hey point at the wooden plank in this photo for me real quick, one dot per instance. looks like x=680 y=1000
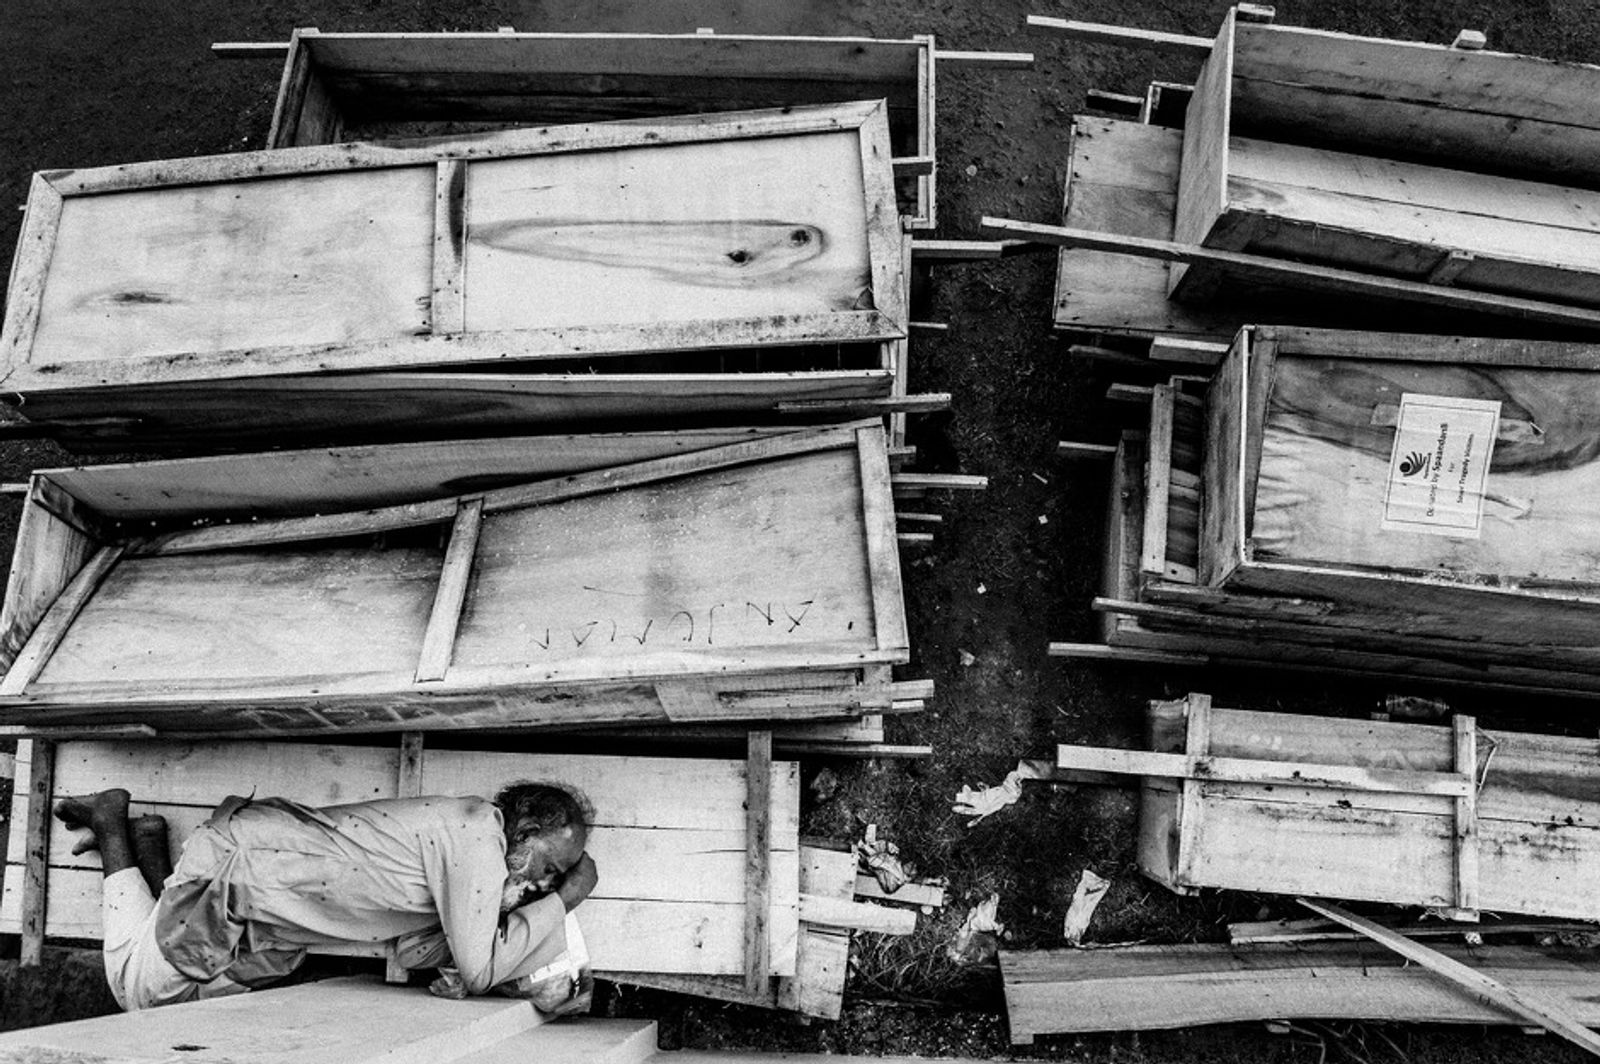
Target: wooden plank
x=53 y=626
x=1125 y=36
x=1222 y=499
x=1259 y=773
x=408 y=780
x=1160 y=987
x=36 y=873
x=47 y=554
x=448 y=313
x=1192 y=814
x=1549 y=1014
x=1260 y=268
x=856 y=916
x=443 y=620
x=1157 y=482
x=1465 y=735
x=939 y=481
x=30 y=268
x=757 y=858
x=883 y=556
x=1203 y=177
x=540 y=493
x=1486 y=111
x=913 y=893
x=1100 y=652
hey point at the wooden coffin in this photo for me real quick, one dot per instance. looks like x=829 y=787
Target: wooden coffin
x=1153 y=606
x=1442 y=482
x=1428 y=163
x=1407 y=814
x=709 y=263
x=364 y=86
x=669 y=836
x=755 y=577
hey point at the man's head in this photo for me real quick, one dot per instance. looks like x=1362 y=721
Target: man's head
x=547 y=829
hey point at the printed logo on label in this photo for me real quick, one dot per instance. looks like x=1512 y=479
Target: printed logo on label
x=1439 y=467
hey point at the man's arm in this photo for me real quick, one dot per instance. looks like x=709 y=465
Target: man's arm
x=466 y=871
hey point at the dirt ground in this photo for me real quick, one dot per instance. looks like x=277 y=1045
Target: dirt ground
x=113 y=81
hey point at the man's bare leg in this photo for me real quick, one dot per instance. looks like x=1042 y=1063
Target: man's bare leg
x=150 y=850
x=105 y=815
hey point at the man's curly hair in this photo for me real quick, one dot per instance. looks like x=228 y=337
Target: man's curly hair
x=541 y=808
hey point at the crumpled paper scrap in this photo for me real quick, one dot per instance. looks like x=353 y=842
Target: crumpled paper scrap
x=988 y=801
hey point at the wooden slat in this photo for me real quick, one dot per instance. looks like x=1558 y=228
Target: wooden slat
x=1126 y=36
x=439 y=640
x=448 y=307
x=1260 y=773
x=52 y=628
x=1157 y=482
x=1203 y=177
x=883 y=556
x=1530 y=1006
x=857 y=916
x=757 y=859
x=1266 y=270
x=36 y=854
x=1464 y=733
x=1191 y=801
x=30 y=268
x=290 y=530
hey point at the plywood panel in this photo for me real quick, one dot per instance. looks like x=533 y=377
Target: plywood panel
x=762 y=556
x=1326 y=452
x=680 y=233
x=320 y=259
x=268 y=615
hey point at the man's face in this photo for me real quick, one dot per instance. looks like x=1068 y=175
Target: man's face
x=536 y=862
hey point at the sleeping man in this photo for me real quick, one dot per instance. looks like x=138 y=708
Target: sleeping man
x=482 y=887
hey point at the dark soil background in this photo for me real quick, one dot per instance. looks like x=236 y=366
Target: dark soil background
x=95 y=83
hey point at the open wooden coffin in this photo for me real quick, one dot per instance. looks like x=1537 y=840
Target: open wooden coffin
x=363 y=86
x=1443 y=483
x=672 y=577
x=1453 y=817
x=1428 y=163
x=669 y=836
x=720 y=263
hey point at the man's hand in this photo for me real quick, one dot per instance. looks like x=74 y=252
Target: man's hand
x=578 y=883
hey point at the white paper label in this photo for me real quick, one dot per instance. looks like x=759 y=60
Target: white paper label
x=1440 y=463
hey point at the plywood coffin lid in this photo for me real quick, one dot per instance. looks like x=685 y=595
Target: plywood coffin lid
x=751 y=580
x=705 y=232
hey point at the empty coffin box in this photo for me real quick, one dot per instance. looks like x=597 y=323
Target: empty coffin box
x=1408 y=160
x=704 y=263
x=668 y=837
x=1529 y=845
x=662 y=578
x=1421 y=486
x=364 y=86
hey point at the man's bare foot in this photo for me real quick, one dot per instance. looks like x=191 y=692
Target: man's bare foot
x=97 y=814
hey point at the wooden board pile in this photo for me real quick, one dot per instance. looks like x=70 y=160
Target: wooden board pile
x=1454 y=819
x=1292 y=519
x=1319 y=176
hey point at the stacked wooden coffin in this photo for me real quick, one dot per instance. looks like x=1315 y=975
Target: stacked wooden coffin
x=1455 y=819
x=1378 y=503
x=674 y=273
x=1318 y=176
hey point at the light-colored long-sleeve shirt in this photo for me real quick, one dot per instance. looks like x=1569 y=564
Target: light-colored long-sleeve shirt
x=264 y=880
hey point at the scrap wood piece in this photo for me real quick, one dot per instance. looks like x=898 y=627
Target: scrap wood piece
x=1130 y=988
x=1259 y=932
x=1126 y=36
x=36 y=858
x=1259 y=772
x=757 y=858
x=1530 y=1006
x=927 y=894
x=855 y=916
x=1268 y=270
